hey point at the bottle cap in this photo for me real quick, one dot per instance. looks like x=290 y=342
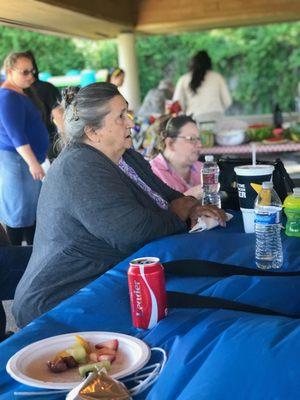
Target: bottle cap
x=209 y=158
x=296 y=192
x=267 y=185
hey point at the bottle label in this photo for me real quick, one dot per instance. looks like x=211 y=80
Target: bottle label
x=267 y=218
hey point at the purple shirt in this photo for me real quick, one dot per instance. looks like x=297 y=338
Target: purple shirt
x=130 y=172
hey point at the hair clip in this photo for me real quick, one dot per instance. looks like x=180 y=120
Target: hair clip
x=68 y=94
x=75 y=113
x=168 y=124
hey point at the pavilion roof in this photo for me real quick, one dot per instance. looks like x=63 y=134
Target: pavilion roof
x=103 y=19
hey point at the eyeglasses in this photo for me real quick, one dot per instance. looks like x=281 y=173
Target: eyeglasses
x=25 y=72
x=191 y=139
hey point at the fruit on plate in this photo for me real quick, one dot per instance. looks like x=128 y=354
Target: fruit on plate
x=274 y=140
x=80 y=340
x=109 y=344
x=78 y=352
x=84 y=354
x=85 y=369
x=61 y=364
x=259 y=132
x=277 y=132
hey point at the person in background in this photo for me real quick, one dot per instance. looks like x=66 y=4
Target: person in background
x=103 y=201
x=23 y=147
x=13 y=262
x=116 y=76
x=50 y=97
x=179 y=149
x=155 y=99
x=202 y=92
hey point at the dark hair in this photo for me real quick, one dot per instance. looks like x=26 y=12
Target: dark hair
x=114 y=72
x=171 y=128
x=83 y=107
x=31 y=56
x=200 y=64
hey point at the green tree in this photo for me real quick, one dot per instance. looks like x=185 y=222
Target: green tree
x=261 y=64
x=55 y=55
x=98 y=55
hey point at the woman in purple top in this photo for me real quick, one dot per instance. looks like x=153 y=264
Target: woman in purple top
x=23 y=146
x=179 y=149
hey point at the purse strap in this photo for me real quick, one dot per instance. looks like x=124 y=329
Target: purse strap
x=210 y=268
x=213 y=269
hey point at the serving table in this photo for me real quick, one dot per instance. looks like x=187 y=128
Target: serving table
x=247 y=148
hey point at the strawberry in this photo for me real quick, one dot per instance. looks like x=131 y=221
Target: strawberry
x=277 y=132
x=109 y=344
x=105 y=350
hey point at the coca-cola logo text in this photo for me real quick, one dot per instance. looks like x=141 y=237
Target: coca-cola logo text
x=138 y=298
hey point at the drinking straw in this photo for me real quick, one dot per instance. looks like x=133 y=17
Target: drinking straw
x=253 y=146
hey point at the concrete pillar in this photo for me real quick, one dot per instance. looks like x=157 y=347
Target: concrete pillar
x=128 y=61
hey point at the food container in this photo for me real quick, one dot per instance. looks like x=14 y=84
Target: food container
x=206 y=130
x=230 y=137
x=207 y=138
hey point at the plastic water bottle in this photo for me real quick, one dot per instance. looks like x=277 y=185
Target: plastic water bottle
x=267 y=207
x=210 y=182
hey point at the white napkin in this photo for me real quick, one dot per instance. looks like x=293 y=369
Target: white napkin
x=206 y=223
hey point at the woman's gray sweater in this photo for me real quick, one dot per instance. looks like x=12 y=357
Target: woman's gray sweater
x=90 y=217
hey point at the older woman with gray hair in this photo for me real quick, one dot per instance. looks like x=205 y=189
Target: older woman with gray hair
x=103 y=202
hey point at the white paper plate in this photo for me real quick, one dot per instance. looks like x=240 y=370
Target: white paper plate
x=29 y=367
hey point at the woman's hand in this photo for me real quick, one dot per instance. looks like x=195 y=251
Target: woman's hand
x=189 y=208
x=195 y=191
x=29 y=157
x=183 y=206
x=207 y=211
x=36 y=171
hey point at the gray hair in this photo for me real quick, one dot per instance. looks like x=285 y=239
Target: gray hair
x=84 y=107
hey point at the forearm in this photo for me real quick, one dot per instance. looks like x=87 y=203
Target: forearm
x=29 y=157
x=145 y=227
x=27 y=154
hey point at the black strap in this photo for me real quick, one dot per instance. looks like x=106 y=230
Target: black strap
x=209 y=268
x=187 y=300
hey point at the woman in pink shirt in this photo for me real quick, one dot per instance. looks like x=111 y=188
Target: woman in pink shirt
x=179 y=149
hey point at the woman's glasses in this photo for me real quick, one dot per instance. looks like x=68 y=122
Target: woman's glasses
x=191 y=139
x=25 y=72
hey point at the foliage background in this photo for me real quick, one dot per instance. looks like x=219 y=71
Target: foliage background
x=261 y=64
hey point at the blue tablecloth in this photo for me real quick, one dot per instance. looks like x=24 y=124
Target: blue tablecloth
x=212 y=354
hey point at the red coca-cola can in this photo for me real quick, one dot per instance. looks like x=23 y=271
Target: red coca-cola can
x=147 y=291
